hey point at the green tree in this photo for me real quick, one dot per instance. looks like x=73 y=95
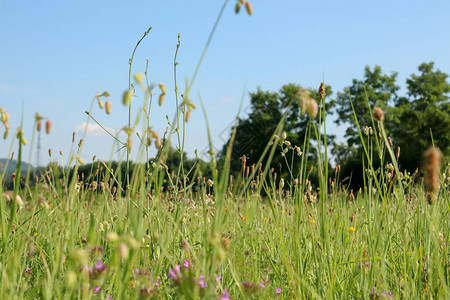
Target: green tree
x=426 y=110
x=379 y=90
x=267 y=109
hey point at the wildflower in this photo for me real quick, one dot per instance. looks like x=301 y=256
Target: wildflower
x=378 y=114
x=158 y=281
x=175 y=274
x=186 y=263
x=99 y=268
x=312 y=221
x=278 y=291
x=202 y=283
x=96 y=290
x=261 y=284
x=351 y=229
x=28 y=271
x=48 y=126
x=218 y=278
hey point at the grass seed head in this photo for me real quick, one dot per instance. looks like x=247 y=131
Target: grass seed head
x=48 y=126
x=248 y=8
x=378 y=114
x=312 y=108
x=322 y=93
x=432 y=159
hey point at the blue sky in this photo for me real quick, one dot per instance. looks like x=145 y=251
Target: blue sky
x=56 y=55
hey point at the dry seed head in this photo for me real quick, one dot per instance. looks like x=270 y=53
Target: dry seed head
x=432 y=159
x=48 y=126
x=322 y=93
x=248 y=7
x=50 y=152
x=108 y=107
x=39 y=126
x=378 y=114
x=73 y=137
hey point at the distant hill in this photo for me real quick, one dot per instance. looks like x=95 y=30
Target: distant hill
x=12 y=166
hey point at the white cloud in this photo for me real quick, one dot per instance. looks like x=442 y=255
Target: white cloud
x=94 y=129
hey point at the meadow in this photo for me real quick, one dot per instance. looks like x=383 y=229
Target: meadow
x=154 y=232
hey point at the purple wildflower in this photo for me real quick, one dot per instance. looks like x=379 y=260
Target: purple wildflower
x=218 y=278
x=158 y=281
x=278 y=291
x=261 y=284
x=109 y=298
x=186 y=263
x=96 y=290
x=225 y=296
x=99 y=267
x=28 y=271
x=175 y=275
x=202 y=283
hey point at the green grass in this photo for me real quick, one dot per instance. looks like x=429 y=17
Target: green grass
x=252 y=236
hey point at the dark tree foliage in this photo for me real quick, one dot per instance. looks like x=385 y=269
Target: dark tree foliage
x=408 y=119
x=425 y=111
x=253 y=133
x=380 y=89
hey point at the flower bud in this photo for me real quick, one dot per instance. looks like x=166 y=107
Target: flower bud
x=5 y=117
x=112 y=236
x=108 y=107
x=161 y=99
x=248 y=7
x=129 y=143
x=237 y=8
x=162 y=87
x=124 y=252
x=39 y=126
x=127 y=97
x=139 y=78
x=101 y=104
